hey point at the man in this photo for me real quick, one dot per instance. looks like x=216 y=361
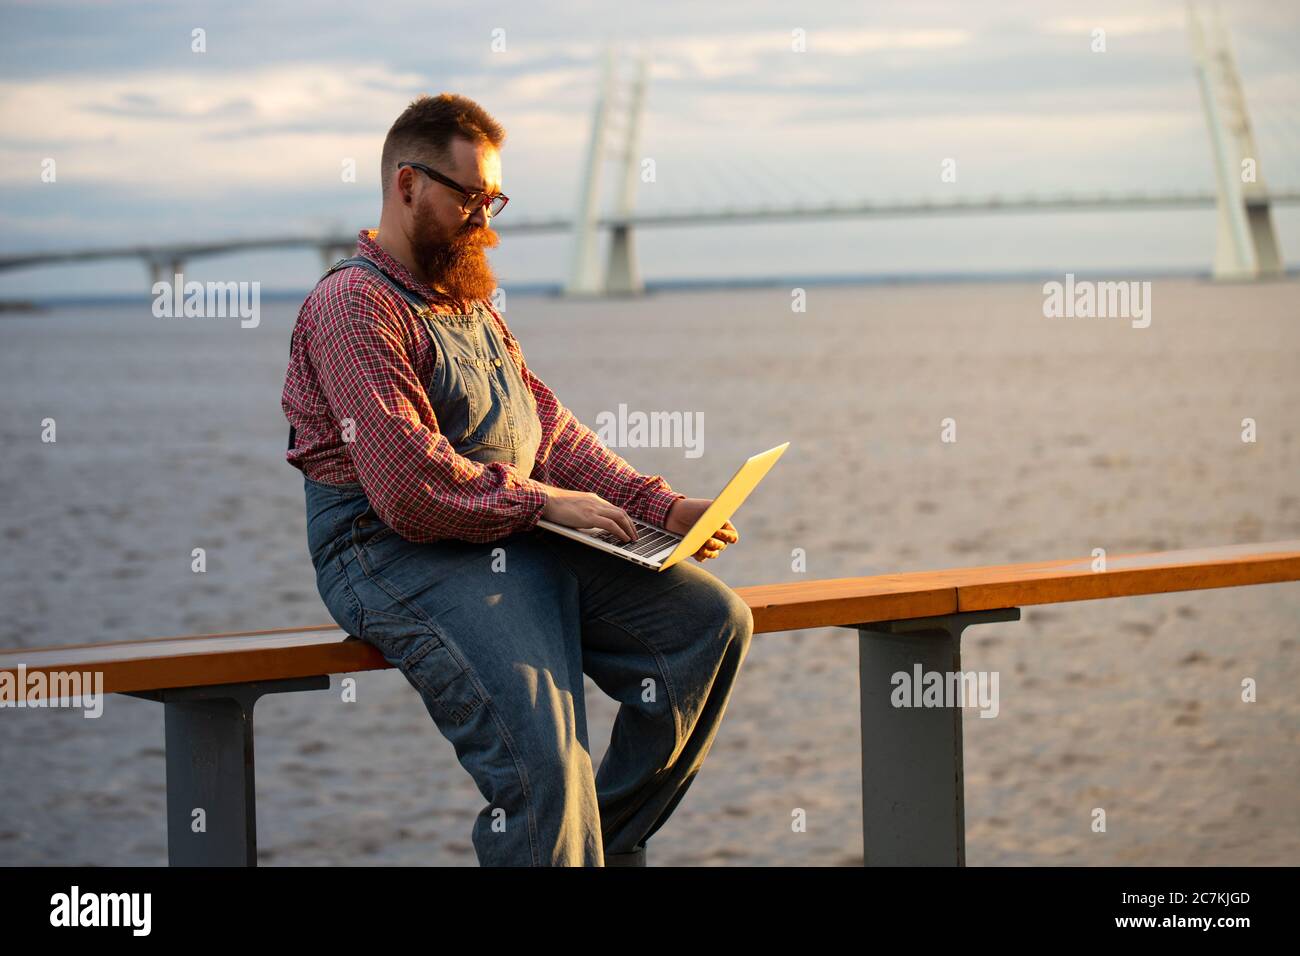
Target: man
x=429 y=451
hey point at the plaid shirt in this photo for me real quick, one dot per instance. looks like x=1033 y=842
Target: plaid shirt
x=360 y=353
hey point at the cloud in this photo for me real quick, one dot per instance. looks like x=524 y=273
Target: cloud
x=177 y=129
x=747 y=54
x=1119 y=25
x=151 y=138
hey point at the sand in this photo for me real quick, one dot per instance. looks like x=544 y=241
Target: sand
x=1071 y=434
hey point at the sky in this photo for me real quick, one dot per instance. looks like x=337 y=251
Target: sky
x=155 y=142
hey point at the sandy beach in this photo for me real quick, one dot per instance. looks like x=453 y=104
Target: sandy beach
x=1071 y=434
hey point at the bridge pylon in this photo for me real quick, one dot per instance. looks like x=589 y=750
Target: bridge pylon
x=1246 y=245
x=621 y=276
x=331 y=253
x=156 y=266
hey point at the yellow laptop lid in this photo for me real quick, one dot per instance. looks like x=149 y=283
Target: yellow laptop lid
x=725 y=504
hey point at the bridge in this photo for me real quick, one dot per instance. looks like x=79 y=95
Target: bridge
x=1246 y=241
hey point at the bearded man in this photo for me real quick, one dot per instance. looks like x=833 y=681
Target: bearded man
x=429 y=451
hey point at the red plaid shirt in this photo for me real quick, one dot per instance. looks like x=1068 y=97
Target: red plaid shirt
x=360 y=353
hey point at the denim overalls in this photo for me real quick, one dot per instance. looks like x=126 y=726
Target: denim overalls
x=481 y=401
x=496 y=636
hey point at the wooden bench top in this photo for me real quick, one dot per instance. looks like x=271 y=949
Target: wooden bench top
x=322 y=649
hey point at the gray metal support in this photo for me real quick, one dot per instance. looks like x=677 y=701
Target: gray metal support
x=913 y=799
x=209 y=735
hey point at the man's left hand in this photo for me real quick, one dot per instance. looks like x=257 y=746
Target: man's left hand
x=682 y=516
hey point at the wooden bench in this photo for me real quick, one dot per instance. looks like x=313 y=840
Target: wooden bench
x=912 y=777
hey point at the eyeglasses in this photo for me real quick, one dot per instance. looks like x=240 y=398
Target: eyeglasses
x=473 y=197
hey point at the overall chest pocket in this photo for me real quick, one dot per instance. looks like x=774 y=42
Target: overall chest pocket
x=463 y=391
x=489 y=420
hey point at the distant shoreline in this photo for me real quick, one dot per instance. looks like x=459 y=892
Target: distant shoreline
x=690 y=284
x=22 y=306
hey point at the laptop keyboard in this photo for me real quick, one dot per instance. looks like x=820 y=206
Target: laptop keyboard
x=649 y=539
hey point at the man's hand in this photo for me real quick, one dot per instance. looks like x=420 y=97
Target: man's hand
x=584 y=509
x=682 y=516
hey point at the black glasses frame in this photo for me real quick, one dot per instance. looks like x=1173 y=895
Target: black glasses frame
x=473 y=198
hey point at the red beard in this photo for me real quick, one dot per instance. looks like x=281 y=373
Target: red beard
x=460 y=266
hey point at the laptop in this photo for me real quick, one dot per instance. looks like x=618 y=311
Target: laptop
x=659 y=549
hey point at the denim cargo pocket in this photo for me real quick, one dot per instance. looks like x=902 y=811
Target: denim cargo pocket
x=416 y=649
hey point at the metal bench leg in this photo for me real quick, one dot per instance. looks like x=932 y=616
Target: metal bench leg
x=913 y=809
x=209 y=733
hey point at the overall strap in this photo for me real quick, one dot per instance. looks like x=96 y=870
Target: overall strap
x=415 y=301
x=376 y=269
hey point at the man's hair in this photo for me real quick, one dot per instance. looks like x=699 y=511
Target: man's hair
x=424 y=131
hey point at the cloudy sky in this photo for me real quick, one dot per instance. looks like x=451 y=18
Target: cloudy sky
x=154 y=142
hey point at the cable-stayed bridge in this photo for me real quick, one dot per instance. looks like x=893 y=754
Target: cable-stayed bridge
x=1246 y=242
x=171 y=254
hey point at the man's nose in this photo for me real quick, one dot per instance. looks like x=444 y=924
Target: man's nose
x=479 y=216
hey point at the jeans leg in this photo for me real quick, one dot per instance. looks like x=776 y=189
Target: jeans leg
x=668 y=646
x=634 y=858
x=489 y=635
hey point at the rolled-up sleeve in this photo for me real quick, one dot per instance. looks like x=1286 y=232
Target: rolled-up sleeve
x=416 y=482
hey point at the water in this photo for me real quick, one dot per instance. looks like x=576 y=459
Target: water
x=1071 y=434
